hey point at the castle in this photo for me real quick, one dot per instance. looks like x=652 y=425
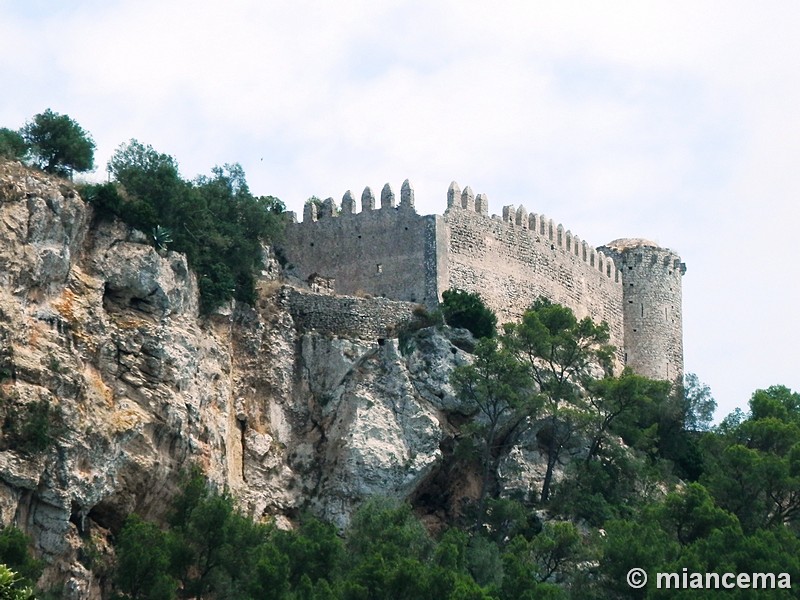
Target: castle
x=392 y=252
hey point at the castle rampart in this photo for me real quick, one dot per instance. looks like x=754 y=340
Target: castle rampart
x=510 y=260
x=366 y=318
x=652 y=310
x=388 y=252
x=513 y=260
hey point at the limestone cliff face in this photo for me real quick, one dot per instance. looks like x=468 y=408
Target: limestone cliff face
x=104 y=330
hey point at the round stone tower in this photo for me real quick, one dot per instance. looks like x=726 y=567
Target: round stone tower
x=652 y=316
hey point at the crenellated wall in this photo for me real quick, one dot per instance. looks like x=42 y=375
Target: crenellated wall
x=513 y=259
x=652 y=308
x=389 y=251
x=510 y=260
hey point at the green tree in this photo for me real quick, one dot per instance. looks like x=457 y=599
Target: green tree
x=614 y=399
x=58 y=144
x=390 y=555
x=143 y=560
x=12 y=144
x=154 y=193
x=507 y=518
x=234 y=225
x=559 y=352
x=387 y=528
x=557 y=550
x=777 y=402
x=612 y=486
x=699 y=404
x=755 y=464
x=521 y=576
x=269 y=577
x=467 y=310
x=635 y=543
x=207 y=556
x=143 y=171
x=313 y=550
x=691 y=514
x=498 y=386
x=215 y=221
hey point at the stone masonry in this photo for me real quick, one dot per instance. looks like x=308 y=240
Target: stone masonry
x=510 y=260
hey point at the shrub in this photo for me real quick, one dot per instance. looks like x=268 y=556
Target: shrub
x=467 y=310
x=16 y=555
x=215 y=221
x=30 y=428
x=12 y=144
x=10 y=586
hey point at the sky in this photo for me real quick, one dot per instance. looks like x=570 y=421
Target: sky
x=673 y=121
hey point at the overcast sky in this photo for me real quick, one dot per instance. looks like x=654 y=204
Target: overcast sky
x=673 y=121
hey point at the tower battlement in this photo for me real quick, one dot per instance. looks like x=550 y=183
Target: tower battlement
x=313 y=213
x=391 y=251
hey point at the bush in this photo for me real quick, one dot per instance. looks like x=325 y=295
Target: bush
x=215 y=221
x=16 y=555
x=30 y=428
x=12 y=145
x=467 y=310
x=58 y=145
x=11 y=586
x=143 y=561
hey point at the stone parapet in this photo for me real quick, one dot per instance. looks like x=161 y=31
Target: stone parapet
x=346 y=316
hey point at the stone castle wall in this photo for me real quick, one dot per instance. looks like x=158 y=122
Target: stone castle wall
x=512 y=261
x=366 y=318
x=652 y=309
x=388 y=251
x=392 y=252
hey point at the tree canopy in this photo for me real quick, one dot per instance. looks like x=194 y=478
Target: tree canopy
x=12 y=144
x=214 y=220
x=617 y=505
x=467 y=310
x=633 y=474
x=559 y=352
x=57 y=144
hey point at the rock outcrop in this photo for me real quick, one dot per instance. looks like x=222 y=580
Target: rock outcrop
x=103 y=330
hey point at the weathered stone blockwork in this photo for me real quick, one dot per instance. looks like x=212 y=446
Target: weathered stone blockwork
x=510 y=266
x=367 y=318
x=393 y=252
x=652 y=313
x=388 y=252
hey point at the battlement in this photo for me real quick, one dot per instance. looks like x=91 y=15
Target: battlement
x=389 y=251
x=313 y=213
x=386 y=252
x=542 y=229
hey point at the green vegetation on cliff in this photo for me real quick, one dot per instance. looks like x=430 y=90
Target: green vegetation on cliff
x=633 y=476
x=467 y=310
x=215 y=221
x=52 y=142
x=209 y=550
x=626 y=498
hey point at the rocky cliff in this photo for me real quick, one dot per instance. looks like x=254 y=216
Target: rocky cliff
x=111 y=384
